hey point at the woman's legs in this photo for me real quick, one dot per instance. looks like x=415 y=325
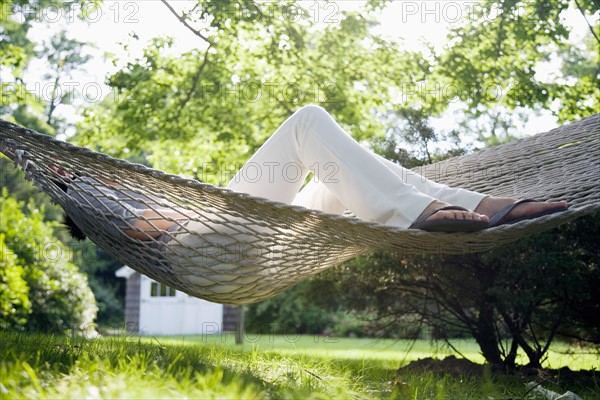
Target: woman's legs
x=311 y=141
x=315 y=195
x=455 y=196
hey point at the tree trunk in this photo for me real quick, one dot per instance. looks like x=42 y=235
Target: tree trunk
x=485 y=336
x=511 y=358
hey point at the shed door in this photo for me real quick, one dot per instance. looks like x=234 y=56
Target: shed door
x=159 y=309
x=165 y=311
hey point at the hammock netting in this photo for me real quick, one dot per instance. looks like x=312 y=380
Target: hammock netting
x=233 y=248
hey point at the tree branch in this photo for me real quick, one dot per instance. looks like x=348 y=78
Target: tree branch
x=500 y=37
x=554 y=328
x=447 y=341
x=195 y=80
x=284 y=105
x=184 y=22
x=581 y=10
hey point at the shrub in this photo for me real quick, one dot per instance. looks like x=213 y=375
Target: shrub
x=14 y=292
x=289 y=312
x=59 y=297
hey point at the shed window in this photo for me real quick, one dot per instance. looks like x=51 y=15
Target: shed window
x=158 y=289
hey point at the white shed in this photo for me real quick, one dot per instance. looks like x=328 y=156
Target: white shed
x=152 y=308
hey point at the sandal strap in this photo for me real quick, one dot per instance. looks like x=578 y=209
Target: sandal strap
x=424 y=218
x=498 y=218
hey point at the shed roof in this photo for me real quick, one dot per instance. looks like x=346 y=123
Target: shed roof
x=124 y=272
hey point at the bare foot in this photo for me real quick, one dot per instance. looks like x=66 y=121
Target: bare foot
x=452 y=214
x=491 y=205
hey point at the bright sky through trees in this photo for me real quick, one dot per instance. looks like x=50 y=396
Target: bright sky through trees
x=119 y=30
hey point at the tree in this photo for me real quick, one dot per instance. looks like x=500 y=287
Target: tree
x=519 y=295
x=495 y=58
x=491 y=70
x=200 y=113
x=256 y=68
x=16 y=50
x=13 y=180
x=64 y=55
x=97 y=265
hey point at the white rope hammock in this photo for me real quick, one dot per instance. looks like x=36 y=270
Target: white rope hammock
x=234 y=248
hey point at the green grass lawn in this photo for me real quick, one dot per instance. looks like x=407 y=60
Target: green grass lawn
x=38 y=366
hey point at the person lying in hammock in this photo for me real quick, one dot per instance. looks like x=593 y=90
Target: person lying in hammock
x=140 y=216
x=347 y=176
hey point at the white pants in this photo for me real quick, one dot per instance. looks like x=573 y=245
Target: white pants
x=347 y=176
x=220 y=258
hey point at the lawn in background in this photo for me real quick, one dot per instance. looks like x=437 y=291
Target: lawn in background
x=396 y=352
